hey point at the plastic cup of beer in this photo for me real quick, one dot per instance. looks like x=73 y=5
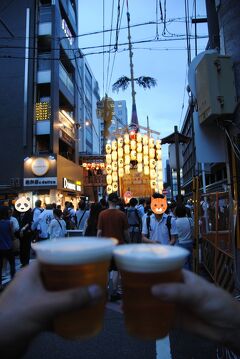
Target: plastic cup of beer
x=141 y=267
x=75 y=262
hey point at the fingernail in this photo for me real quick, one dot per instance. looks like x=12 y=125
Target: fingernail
x=95 y=291
x=160 y=291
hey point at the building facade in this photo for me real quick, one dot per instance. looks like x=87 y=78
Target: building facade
x=40 y=101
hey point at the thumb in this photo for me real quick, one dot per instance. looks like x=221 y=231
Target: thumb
x=65 y=300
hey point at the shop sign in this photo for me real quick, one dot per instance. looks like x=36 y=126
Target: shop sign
x=40 y=166
x=72 y=186
x=44 y=181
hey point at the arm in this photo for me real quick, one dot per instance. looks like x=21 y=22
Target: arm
x=20 y=323
x=146 y=240
x=203 y=309
x=174 y=232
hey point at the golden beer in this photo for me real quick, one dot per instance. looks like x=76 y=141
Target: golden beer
x=71 y=263
x=141 y=267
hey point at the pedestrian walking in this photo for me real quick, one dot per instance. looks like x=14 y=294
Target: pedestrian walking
x=57 y=226
x=82 y=214
x=91 y=223
x=134 y=221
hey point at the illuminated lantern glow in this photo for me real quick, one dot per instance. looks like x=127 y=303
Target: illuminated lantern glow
x=133 y=145
x=139 y=147
x=109 y=171
x=120 y=152
x=139 y=137
x=151 y=142
x=120 y=142
x=108 y=159
x=139 y=157
x=114 y=166
x=114 y=145
x=152 y=163
x=109 y=179
x=151 y=153
x=145 y=160
x=160 y=176
x=158 y=144
x=145 y=139
x=127 y=196
x=127 y=149
x=127 y=160
x=114 y=155
x=139 y=167
x=132 y=135
x=102 y=165
x=121 y=172
x=93 y=165
x=108 y=148
x=133 y=155
x=114 y=176
x=84 y=164
x=153 y=174
x=145 y=150
x=109 y=189
x=120 y=162
x=159 y=165
x=153 y=183
x=159 y=154
x=126 y=138
x=127 y=169
x=146 y=170
x=114 y=186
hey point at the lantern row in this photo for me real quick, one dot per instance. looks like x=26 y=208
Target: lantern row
x=144 y=151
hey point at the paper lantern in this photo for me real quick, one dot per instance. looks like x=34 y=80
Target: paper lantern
x=102 y=165
x=114 y=145
x=159 y=165
x=84 y=165
x=114 y=155
x=120 y=142
x=151 y=142
x=139 y=137
x=114 y=166
x=145 y=150
x=126 y=138
x=127 y=149
x=152 y=163
x=139 y=157
x=151 y=152
x=108 y=148
x=153 y=183
x=145 y=139
x=108 y=158
x=139 y=167
x=133 y=155
x=158 y=144
x=146 y=170
x=121 y=172
x=139 y=147
x=127 y=169
x=114 y=176
x=109 y=179
x=160 y=176
x=115 y=186
x=120 y=162
x=145 y=160
x=127 y=159
x=120 y=152
x=133 y=145
x=153 y=174
x=109 y=189
x=109 y=169
x=159 y=154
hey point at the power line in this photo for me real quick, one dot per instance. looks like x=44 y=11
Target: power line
x=110 y=40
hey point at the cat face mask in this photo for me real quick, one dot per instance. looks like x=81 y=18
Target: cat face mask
x=159 y=205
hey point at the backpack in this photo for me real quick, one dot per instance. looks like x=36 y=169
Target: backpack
x=168 y=224
x=134 y=222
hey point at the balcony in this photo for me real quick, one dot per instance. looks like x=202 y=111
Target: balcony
x=64 y=76
x=66 y=124
x=45 y=21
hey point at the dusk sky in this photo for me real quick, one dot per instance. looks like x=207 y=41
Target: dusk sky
x=165 y=59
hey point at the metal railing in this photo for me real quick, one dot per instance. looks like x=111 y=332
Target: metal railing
x=64 y=76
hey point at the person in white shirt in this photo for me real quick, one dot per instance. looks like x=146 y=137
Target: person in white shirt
x=82 y=215
x=43 y=222
x=185 y=232
x=57 y=226
x=159 y=228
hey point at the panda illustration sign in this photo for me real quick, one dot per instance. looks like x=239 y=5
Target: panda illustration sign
x=23 y=204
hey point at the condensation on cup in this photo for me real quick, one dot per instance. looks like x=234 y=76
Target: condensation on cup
x=75 y=262
x=142 y=266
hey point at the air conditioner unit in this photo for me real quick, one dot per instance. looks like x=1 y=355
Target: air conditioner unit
x=215 y=87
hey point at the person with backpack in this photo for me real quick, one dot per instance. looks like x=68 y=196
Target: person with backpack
x=134 y=221
x=159 y=227
x=57 y=226
x=82 y=214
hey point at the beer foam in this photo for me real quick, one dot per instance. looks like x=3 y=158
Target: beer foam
x=149 y=258
x=74 y=250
